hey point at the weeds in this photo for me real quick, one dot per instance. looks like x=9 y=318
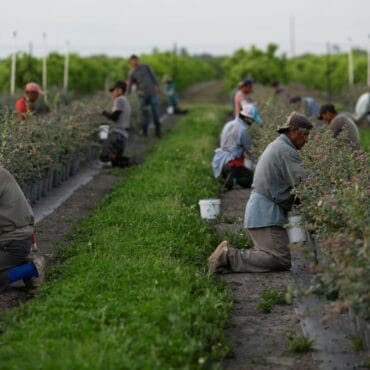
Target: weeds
x=270 y=298
x=299 y=343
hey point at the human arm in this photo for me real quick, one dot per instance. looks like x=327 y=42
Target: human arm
x=113 y=116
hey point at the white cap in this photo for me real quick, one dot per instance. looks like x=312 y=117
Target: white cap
x=250 y=110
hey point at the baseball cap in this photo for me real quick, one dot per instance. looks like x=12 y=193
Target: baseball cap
x=295 y=119
x=34 y=87
x=247 y=81
x=119 y=85
x=251 y=111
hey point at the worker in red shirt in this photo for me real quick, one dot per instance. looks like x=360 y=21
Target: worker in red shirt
x=26 y=104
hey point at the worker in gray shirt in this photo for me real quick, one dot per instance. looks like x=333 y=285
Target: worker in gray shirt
x=16 y=229
x=278 y=171
x=339 y=122
x=147 y=86
x=114 y=146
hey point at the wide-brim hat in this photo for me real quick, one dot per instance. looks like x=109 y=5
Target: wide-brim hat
x=34 y=87
x=295 y=119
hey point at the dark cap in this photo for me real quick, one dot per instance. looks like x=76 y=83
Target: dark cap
x=326 y=108
x=295 y=120
x=119 y=85
x=247 y=81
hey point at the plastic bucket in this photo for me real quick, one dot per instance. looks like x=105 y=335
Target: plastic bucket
x=295 y=233
x=209 y=208
x=103 y=132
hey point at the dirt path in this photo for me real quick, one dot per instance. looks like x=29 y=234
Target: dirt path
x=259 y=338
x=54 y=229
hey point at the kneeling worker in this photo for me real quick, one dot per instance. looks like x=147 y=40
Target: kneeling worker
x=235 y=140
x=16 y=229
x=114 y=146
x=278 y=170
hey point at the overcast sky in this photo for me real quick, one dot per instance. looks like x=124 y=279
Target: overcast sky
x=123 y=27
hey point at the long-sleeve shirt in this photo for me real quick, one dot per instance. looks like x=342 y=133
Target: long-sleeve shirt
x=16 y=216
x=234 y=140
x=342 y=122
x=145 y=79
x=278 y=170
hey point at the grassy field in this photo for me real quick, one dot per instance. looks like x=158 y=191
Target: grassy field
x=132 y=291
x=365 y=139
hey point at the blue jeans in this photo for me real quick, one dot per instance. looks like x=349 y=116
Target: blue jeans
x=147 y=101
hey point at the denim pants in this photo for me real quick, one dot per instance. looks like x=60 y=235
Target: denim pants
x=12 y=253
x=146 y=102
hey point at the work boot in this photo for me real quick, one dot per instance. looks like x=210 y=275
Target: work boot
x=218 y=258
x=35 y=282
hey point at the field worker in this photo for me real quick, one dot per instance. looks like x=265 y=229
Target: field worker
x=235 y=140
x=243 y=95
x=114 y=146
x=170 y=92
x=26 y=104
x=339 y=122
x=148 y=88
x=279 y=169
x=310 y=106
x=16 y=230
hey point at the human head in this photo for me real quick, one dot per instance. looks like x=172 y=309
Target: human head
x=297 y=129
x=295 y=99
x=33 y=91
x=134 y=60
x=247 y=86
x=249 y=113
x=118 y=89
x=327 y=113
x=166 y=79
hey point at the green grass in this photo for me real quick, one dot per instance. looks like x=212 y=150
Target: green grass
x=132 y=291
x=298 y=343
x=365 y=139
x=270 y=298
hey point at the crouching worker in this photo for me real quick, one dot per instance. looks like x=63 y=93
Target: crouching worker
x=16 y=230
x=278 y=170
x=235 y=141
x=114 y=146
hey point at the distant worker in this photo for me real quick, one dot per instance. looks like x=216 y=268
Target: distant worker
x=170 y=91
x=235 y=146
x=16 y=230
x=243 y=95
x=279 y=89
x=279 y=169
x=26 y=104
x=114 y=146
x=310 y=106
x=339 y=122
x=148 y=87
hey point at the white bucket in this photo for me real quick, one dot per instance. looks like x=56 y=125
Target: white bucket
x=295 y=233
x=170 y=110
x=248 y=163
x=209 y=208
x=104 y=131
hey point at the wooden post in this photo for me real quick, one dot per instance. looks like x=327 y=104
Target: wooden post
x=350 y=64
x=13 y=65
x=66 y=68
x=292 y=35
x=45 y=67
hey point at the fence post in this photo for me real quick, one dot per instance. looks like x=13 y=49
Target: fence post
x=350 y=64
x=66 y=68
x=13 y=65
x=44 y=68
